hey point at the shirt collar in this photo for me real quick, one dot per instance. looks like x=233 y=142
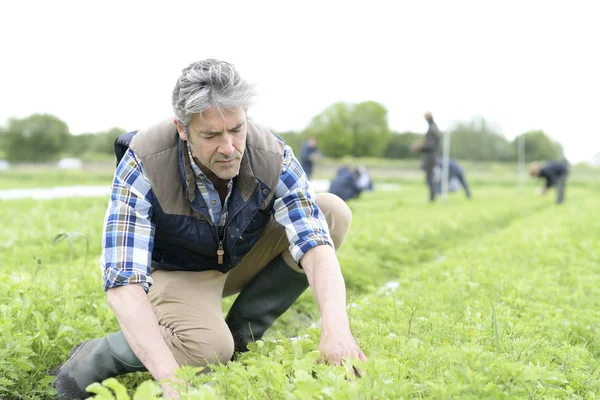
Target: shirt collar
x=197 y=171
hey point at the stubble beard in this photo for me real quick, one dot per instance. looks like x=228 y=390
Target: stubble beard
x=226 y=172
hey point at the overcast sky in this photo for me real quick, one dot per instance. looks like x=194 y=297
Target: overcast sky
x=521 y=64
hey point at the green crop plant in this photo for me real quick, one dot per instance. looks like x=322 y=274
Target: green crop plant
x=497 y=298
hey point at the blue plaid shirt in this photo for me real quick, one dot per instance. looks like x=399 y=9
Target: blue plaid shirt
x=128 y=234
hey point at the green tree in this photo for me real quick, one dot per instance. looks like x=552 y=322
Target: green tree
x=371 y=132
x=476 y=140
x=539 y=146
x=3 y=142
x=37 y=138
x=331 y=128
x=359 y=130
x=94 y=143
x=399 y=145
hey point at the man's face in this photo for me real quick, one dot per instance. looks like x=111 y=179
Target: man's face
x=217 y=141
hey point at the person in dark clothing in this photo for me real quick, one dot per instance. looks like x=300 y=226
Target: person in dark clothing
x=455 y=171
x=345 y=185
x=555 y=173
x=363 y=179
x=430 y=152
x=308 y=155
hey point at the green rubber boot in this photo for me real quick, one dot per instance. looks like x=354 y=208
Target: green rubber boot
x=264 y=299
x=94 y=361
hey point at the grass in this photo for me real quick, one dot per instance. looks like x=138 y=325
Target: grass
x=382 y=170
x=498 y=297
x=42 y=176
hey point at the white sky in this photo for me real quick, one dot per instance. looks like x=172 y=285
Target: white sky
x=521 y=64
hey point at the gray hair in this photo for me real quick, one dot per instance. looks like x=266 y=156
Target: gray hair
x=209 y=83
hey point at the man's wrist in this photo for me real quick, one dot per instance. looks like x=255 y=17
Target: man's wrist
x=162 y=372
x=165 y=376
x=334 y=324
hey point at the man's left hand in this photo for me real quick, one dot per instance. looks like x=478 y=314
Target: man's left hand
x=327 y=283
x=336 y=347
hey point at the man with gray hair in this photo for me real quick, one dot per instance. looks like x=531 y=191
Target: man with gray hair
x=208 y=204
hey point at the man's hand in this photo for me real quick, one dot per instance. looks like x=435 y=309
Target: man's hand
x=336 y=347
x=417 y=146
x=327 y=283
x=140 y=327
x=169 y=392
x=171 y=387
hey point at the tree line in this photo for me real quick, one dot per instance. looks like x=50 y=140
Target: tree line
x=342 y=129
x=361 y=130
x=45 y=137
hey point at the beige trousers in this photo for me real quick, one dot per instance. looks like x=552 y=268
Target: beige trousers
x=188 y=304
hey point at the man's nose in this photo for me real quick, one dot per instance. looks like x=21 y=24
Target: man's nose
x=226 y=145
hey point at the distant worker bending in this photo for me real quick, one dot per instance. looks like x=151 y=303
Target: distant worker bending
x=555 y=173
x=350 y=183
x=363 y=179
x=456 y=177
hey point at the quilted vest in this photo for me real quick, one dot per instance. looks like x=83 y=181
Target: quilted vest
x=185 y=237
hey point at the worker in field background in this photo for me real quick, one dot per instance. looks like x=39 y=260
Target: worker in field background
x=456 y=178
x=364 y=180
x=309 y=155
x=207 y=204
x=349 y=183
x=430 y=149
x=555 y=174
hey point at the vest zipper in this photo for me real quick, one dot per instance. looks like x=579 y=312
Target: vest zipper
x=221 y=251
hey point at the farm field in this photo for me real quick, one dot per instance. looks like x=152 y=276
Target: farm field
x=497 y=297
x=382 y=170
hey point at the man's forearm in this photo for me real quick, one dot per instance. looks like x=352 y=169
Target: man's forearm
x=140 y=327
x=325 y=278
x=428 y=144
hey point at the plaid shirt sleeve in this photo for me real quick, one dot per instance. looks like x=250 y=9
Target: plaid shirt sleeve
x=296 y=209
x=128 y=234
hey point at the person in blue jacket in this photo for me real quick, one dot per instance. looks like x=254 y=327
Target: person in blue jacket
x=455 y=174
x=350 y=183
x=363 y=180
x=344 y=184
x=555 y=173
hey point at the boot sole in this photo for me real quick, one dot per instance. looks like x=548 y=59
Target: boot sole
x=57 y=370
x=73 y=353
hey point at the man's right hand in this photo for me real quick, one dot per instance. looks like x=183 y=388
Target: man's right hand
x=140 y=327
x=172 y=386
x=169 y=392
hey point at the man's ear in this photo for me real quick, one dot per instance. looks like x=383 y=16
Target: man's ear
x=181 y=130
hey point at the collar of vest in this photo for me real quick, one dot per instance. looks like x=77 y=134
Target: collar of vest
x=167 y=165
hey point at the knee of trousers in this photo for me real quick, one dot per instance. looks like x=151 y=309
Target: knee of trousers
x=338 y=216
x=200 y=347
